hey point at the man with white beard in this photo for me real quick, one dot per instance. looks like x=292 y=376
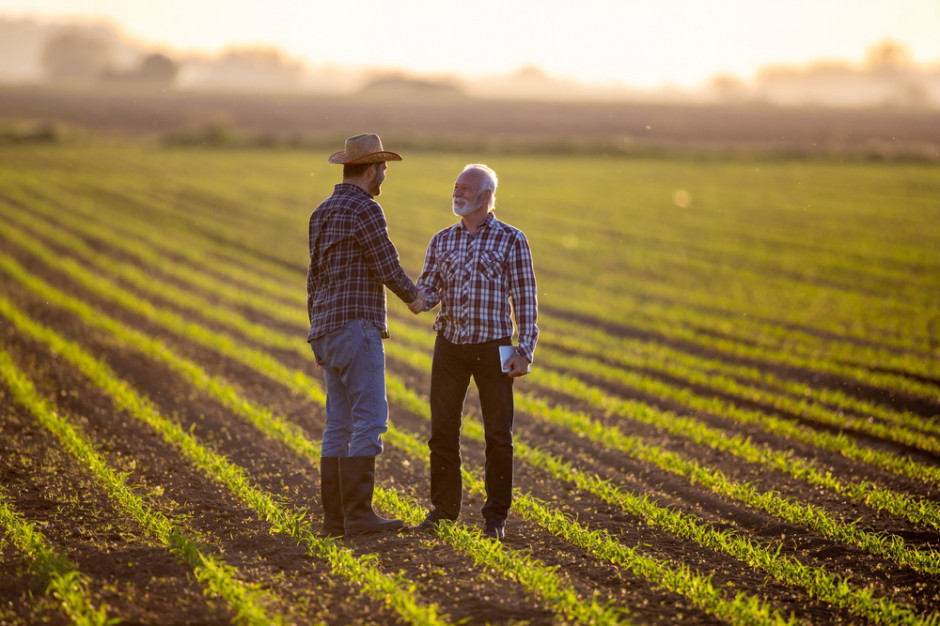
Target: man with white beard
x=480 y=271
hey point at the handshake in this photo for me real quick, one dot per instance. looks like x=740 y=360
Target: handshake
x=417 y=305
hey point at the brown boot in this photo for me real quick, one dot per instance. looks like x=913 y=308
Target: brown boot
x=357 y=480
x=331 y=497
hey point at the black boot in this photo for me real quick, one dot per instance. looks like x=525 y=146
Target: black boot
x=357 y=478
x=331 y=497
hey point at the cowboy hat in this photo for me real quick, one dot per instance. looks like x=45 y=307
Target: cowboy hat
x=363 y=149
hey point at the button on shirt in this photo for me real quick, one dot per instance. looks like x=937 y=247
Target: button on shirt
x=480 y=279
x=351 y=261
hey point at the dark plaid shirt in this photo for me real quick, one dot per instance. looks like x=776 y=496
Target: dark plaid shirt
x=480 y=279
x=351 y=260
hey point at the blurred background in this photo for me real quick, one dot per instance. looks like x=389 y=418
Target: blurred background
x=830 y=77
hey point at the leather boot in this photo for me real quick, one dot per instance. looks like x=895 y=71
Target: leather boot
x=331 y=497
x=357 y=478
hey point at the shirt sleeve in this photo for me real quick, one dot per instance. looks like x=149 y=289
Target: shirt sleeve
x=430 y=281
x=383 y=257
x=310 y=270
x=523 y=295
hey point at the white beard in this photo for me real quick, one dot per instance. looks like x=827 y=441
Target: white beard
x=467 y=208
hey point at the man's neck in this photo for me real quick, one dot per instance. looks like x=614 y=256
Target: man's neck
x=473 y=221
x=357 y=182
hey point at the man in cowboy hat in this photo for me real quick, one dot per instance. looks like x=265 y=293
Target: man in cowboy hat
x=352 y=260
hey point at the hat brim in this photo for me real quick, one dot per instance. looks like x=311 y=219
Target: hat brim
x=373 y=157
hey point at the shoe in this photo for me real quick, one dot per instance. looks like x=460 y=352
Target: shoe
x=357 y=483
x=430 y=523
x=494 y=530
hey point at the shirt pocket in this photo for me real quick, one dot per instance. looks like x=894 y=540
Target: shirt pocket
x=492 y=264
x=452 y=263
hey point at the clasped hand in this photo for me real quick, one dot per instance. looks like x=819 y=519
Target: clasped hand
x=417 y=305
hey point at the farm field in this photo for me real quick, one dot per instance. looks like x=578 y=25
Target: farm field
x=731 y=418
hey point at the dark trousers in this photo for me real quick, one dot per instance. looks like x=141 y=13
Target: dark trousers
x=451 y=370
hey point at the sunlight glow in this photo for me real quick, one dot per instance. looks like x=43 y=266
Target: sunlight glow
x=678 y=42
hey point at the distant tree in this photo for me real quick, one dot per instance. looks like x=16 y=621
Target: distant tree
x=888 y=56
x=75 y=55
x=157 y=68
x=891 y=62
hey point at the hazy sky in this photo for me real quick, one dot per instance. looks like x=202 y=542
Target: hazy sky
x=645 y=44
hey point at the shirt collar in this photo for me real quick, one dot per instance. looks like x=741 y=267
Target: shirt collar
x=350 y=188
x=488 y=222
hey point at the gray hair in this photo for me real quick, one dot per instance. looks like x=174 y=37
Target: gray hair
x=490 y=181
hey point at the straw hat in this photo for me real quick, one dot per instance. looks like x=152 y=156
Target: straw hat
x=363 y=149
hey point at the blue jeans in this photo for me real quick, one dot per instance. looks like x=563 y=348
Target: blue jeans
x=353 y=362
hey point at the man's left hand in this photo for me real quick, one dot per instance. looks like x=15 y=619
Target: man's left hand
x=518 y=366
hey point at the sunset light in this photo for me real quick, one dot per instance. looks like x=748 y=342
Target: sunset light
x=682 y=43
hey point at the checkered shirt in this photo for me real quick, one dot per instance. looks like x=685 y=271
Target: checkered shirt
x=482 y=280
x=351 y=261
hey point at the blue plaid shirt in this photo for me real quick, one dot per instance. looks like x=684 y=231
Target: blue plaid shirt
x=351 y=261
x=481 y=280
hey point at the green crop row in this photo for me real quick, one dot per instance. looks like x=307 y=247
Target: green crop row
x=894 y=545
x=725 y=336
x=695 y=249
x=520 y=567
x=814 y=517
x=762 y=332
x=288 y=316
x=659 y=318
x=218 y=468
x=816 y=581
x=899 y=504
x=840 y=442
x=917 y=510
x=559 y=359
x=678 y=578
x=533 y=575
x=227 y=346
x=220 y=579
x=789 y=428
x=726 y=378
x=65 y=583
x=705 y=595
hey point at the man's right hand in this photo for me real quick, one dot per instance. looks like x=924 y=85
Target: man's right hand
x=417 y=305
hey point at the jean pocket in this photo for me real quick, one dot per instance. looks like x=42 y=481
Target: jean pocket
x=370 y=332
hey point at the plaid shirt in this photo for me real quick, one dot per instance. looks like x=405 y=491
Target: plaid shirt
x=480 y=279
x=351 y=259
